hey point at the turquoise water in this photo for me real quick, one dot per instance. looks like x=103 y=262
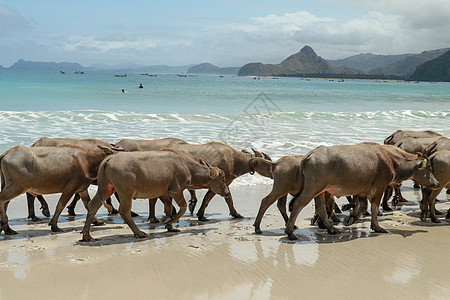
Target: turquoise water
x=279 y=116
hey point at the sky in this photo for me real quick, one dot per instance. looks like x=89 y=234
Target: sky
x=224 y=33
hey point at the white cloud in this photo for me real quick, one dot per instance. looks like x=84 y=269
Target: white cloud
x=75 y=43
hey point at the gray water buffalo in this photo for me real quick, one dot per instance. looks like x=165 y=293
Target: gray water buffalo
x=89 y=143
x=440 y=161
x=152 y=174
x=233 y=162
x=403 y=134
x=46 y=170
x=284 y=172
x=363 y=169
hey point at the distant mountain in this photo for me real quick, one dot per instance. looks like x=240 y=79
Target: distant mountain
x=407 y=66
x=303 y=63
x=368 y=61
x=437 y=69
x=207 y=68
x=1 y=67
x=47 y=66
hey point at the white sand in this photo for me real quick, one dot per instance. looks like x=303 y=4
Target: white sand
x=224 y=259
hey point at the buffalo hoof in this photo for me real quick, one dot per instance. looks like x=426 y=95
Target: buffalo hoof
x=237 y=216
x=349 y=220
x=9 y=231
x=448 y=191
x=321 y=224
x=387 y=208
x=192 y=206
x=402 y=200
x=98 y=223
x=70 y=211
x=378 y=229
x=133 y=214
x=346 y=207
x=435 y=220
x=438 y=212
x=416 y=186
x=333 y=230
x=314 y=219
x=45 y=211
x=292 y=237
x=153 y=220
x=34 y=218
x=170 y=228
x=335 y=219
x=56 y=228
x=166 y=219
x=202 y=218
x=87 y=238
x=140 y=234
x=423 y=216
x=366 y=214
x=258 y=231
x=114 y=212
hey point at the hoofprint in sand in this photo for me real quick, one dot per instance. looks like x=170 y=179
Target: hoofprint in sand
x=224 y=259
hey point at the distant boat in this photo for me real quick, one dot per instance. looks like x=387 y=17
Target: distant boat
x=120 y=75
x=79 y=72
x=62 y=72
x=144 y=74
x=182 y=75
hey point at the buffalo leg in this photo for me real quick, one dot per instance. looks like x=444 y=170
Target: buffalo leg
x=297 y=206
x=114 y=211
x=5 y=196
x=192 y=202
x=350 y=205
x=322 y=212
x=73 y=203
x=201 y=212
x=125 y=212
x=387 y=195
x=151 y=206
x=65 y=197
x=233 y=212
x=179 y=199
x=374 y=209
x=266 y=202
x=31 y=211
x=357 y=212
x=44 y=206
x=86 y=199
x=429 y=204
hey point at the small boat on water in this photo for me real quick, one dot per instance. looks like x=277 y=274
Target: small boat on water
x=120 y=75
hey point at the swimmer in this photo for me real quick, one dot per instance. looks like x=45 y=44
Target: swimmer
x=141 y=86
x=123 y=91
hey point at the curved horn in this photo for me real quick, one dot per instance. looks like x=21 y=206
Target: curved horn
x=245 y=151
x=266 y=156
x=257 y=153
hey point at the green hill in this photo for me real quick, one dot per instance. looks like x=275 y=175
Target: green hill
x=437 y=69
x=303 y=63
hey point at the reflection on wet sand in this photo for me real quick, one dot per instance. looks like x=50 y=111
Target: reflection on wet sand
x=224 y=259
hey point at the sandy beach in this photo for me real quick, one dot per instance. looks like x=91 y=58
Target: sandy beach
x=224 y=259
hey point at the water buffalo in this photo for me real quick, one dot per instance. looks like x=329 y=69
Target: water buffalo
x=410 y=145
x=152 y=174
x=233 y=162
x=89 y=143
x=64 y=169
x=440 y=161
x=403 y=134
x=132 y=145
x=442 y=143
x=363 y=169
x=284 y=172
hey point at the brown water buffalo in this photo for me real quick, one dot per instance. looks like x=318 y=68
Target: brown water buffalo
x=148 y=145
x=363 y=169
x=285 y=173
x=152 y=174
x=89 y=143
x=64 y=169
x=132 y=145
x=413 y=146
x=233 y=162
x=440 y=161
x=442 y=143
x=403 y=134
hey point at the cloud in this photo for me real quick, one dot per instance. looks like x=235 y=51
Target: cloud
x=91 y=43
x=11 y=21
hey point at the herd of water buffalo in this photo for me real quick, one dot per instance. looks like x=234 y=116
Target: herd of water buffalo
x=164 y=168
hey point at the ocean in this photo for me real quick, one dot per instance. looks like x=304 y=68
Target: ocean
x=280 y=116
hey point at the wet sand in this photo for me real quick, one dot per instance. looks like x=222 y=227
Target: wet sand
x=224 y=259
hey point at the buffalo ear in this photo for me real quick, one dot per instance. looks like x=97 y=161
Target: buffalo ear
x=107 y=150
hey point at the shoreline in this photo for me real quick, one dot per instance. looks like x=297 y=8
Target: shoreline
x=223 y=258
